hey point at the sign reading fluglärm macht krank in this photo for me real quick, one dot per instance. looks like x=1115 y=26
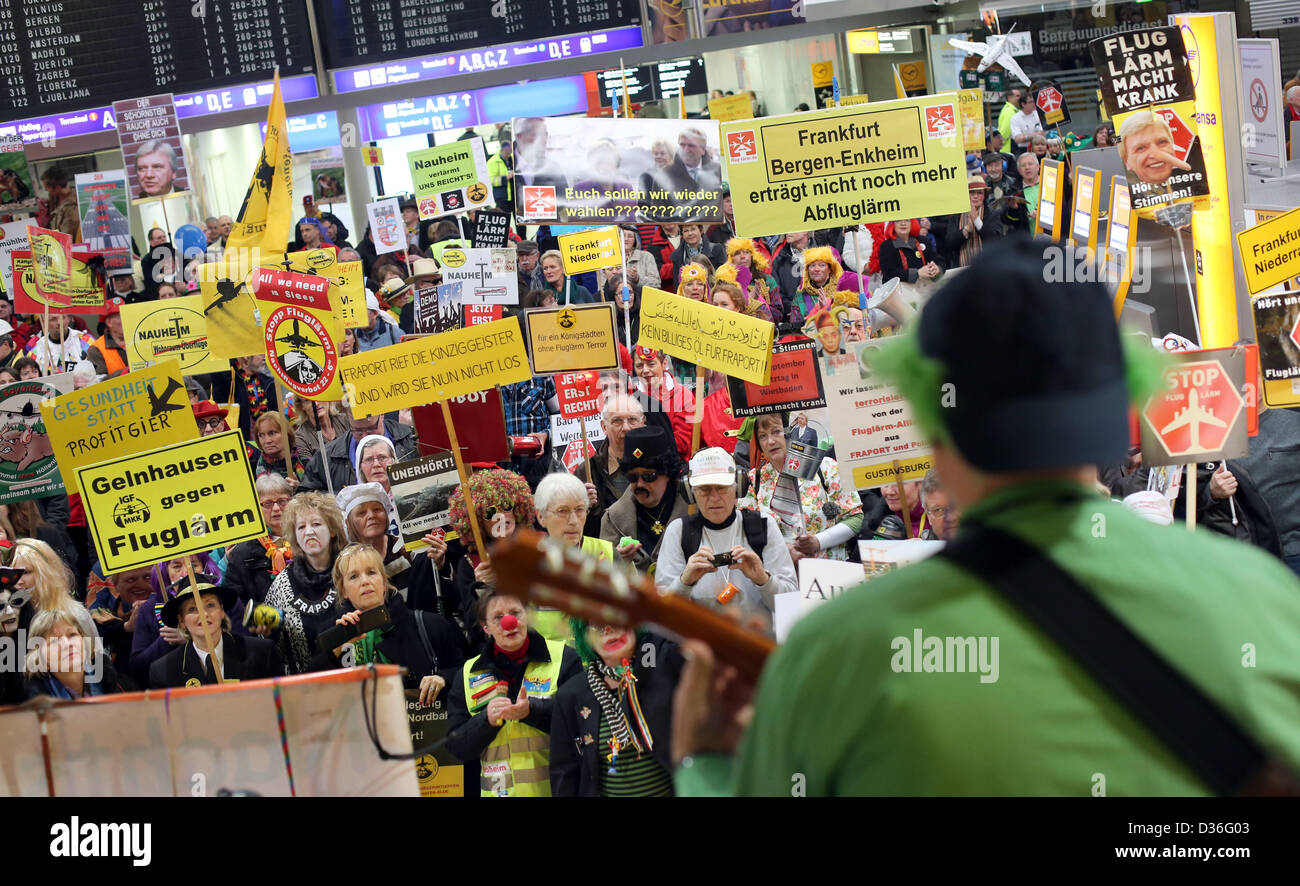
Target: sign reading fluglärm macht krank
x=170 y=502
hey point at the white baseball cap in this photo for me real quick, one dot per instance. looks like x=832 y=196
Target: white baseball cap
x=5 y=328
x=372 y=301
x=713 y=467
x=1152 y=506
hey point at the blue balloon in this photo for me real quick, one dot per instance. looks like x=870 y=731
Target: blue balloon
x=191 y=241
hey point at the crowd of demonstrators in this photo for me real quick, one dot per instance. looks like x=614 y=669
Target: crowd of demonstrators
x=679 y=492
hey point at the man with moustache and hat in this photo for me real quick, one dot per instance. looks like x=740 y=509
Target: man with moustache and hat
x=654 y=497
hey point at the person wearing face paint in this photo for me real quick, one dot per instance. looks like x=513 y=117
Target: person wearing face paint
x=304 y=592
x=12 y=690
x=194 y=663
x=431 y=649
x=502 y=701
x=611 y=726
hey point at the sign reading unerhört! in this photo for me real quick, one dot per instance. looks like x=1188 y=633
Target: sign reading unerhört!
x=841 y=166
x=170 y=502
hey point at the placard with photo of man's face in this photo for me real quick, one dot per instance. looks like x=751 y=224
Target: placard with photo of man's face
x=150 y=136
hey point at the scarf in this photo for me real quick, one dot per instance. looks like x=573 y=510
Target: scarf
x=611 y=708
x=515 y=657
x=256 y=391
x=308 y=585
x=973 y=245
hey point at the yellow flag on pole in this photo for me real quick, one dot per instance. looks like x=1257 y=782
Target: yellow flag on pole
x=266 y=217
x=898 y=84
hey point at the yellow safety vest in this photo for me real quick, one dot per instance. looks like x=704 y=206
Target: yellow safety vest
x=518 y=762
x=554 y=624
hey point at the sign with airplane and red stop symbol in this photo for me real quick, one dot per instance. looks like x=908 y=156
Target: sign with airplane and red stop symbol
x=1198 y=412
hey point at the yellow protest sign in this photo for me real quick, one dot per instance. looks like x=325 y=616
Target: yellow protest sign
x=166 y=503
x=843 y=166
x=132 y=413
x=51 y=263
x=234 y=318
x=436 y=367
x=823 y=73
x=912 y=74
x=1270 y=251
x=733 y=107
x=573 y=338
x=172 y=329
x=347 y=284
x=592 y=250
x=302 y=331
x=847 y=100
x=972 y=118
x=707 y=335
x=87 y=292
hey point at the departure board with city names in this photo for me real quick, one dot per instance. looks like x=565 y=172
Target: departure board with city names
x=359 y=32
x=66 y=55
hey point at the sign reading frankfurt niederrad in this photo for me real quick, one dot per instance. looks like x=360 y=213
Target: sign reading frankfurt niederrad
x=170 y=502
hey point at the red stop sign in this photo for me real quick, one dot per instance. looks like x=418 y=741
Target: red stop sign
x=1182 y=135
x=1195 y=411
x=1048 y=98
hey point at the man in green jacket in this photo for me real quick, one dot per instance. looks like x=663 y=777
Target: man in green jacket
x=1009 y=110
x=1021 y=386
x=501 y=167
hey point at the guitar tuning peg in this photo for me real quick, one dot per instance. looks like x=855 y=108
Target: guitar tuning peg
x=620 y=584
x=554 y=556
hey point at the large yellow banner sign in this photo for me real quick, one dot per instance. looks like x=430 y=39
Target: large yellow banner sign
x=141 y=410
x=707 y=335
x=842 y=166
x=437 y=367
x=167 y=503
x=1270 y=251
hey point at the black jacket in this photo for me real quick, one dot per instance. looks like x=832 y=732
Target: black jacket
x=244 y=658
x=401 y=644
x=1254 y=517
x=248 y=571
x=575 y=758
x=341 y=469
x=467 y=736
x=714 y=252
x=424 y=594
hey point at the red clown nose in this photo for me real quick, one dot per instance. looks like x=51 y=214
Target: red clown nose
x=509 y=623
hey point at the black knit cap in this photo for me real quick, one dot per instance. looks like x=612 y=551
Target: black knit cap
x=1036 y=364
x=650 y=448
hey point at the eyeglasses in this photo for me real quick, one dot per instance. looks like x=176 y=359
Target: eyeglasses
x=272 y=504
x=940 y=513
x=850 y=325
x=569 y=513
x=642 y=476
x=210 y=424
x=377 y=459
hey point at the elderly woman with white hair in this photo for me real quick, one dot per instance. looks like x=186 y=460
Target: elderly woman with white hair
x=83 y=375
x=562 y=505
x=368 y=515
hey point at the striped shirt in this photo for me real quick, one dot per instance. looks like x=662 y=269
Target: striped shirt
x=632 y=777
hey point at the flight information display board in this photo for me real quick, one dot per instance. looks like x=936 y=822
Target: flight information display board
x=360 y=32
x=58 y=55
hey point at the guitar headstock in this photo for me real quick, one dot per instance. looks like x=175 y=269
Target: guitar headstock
x=543 y=571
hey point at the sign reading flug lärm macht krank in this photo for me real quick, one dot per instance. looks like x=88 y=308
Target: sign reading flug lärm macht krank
x=170 y=502
x=843 y=166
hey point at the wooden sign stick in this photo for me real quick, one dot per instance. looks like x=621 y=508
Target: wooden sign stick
x=699 y=409
x=1191 y=497
x=902 y=499
x=464 y=482
x=207 y=633
x=582 y=426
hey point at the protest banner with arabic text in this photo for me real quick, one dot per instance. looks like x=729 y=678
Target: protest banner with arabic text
x=707 y=335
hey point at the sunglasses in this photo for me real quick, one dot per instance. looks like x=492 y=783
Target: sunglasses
x=642 y=476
